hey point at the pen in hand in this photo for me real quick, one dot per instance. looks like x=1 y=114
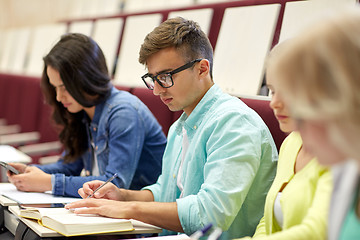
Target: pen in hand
x=107 y=181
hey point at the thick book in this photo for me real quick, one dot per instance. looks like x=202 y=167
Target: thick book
x=68 y=223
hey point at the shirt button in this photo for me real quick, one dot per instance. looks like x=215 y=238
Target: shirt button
x=96 y=148
x=195 y=127
x=174 y=176
x=94 y=128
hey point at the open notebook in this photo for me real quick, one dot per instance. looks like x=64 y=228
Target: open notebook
x=68 y=223
x=9 y=191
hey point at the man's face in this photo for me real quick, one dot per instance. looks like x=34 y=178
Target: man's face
x=184 y=94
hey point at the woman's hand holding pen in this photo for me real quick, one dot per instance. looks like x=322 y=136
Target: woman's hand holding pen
x=31 y=179
x=108 y=191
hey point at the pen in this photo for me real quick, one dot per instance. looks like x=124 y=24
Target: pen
x=199 y=233
x=107 y=181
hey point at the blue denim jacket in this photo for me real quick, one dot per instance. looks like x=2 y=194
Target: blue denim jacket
x=128 y=140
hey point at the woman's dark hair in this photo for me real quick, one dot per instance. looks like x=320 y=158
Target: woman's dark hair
x=82 y=68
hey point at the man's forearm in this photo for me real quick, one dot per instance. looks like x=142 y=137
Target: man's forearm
x=164 y=215
x=135 y=195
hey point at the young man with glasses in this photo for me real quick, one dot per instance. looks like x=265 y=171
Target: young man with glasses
x=220 y=159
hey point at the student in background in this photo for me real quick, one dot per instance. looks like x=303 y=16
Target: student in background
x=296 y=206
x=103 y=130
x=319 y=76
x=220 y=159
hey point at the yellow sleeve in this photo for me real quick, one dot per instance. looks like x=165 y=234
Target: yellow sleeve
x=260 y=229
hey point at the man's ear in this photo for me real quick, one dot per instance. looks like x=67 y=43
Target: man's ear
x=204 y=67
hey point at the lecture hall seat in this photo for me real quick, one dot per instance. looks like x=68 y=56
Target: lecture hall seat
x=43 y=38
x=107 y=34
x=241 y=49
x=85 y=27
x=128 y=70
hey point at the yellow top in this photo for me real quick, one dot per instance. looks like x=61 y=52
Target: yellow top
x=304 y=201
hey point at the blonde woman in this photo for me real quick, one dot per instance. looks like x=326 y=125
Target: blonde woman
x=297 y=203
x=319 y=77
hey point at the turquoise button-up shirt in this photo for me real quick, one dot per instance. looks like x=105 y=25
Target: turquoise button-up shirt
x=228 y=168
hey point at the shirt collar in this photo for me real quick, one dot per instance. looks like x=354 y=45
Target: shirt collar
x=192 y=122
x=98 y=111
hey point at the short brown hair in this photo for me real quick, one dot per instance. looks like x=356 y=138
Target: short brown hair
x=182 y=34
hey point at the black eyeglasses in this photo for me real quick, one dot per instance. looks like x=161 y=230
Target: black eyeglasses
x=165 y=79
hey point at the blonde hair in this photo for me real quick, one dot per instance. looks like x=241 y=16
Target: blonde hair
x=319 y=76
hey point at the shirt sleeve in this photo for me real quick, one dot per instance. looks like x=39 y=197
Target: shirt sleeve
x=155 y=189
x=60 y=166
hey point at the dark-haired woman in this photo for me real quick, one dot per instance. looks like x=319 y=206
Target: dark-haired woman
x=104 y=130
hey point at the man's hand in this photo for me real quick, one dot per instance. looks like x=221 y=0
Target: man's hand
x=162 y=214
x=103 y=207
x=108 y=191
